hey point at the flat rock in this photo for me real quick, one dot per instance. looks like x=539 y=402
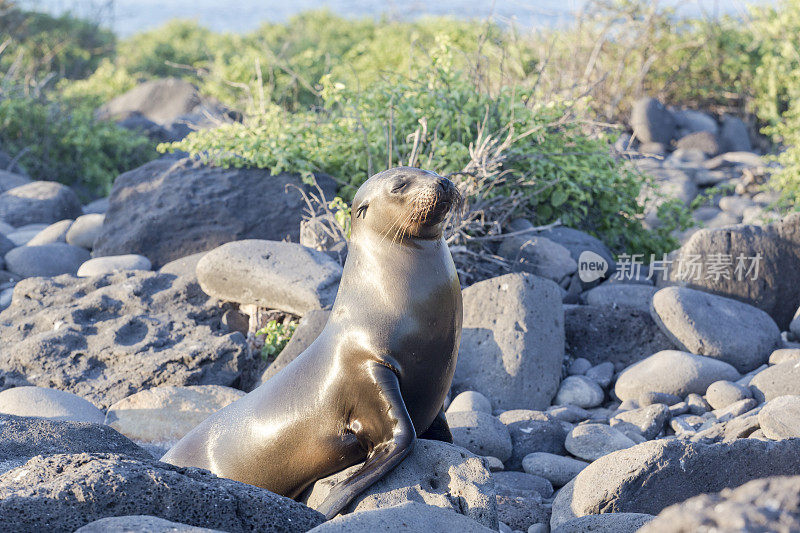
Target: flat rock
x=277 y=275
x=307 y=331
x=672 y=372
x=480 y=433
x=710 y=325
x=621 y=336
x=784 y=355
x=621 y=295
x=652 y=122
x=56 y=232
x=411 y=517
x=771 y=504
x=41 y=202
x=777 y=380
x=436 y=473
x=85 y=230
x=46 y=260
x=169 y=209
x=140 y=524
x=113 y=263
x=771 y=283
x=512 y=341
x=539 y=256
x=592 y=441
x=532 y=431
x=470 y=401
x=579 y=391
x=166 y=414
x=606 y=523
x=52 y=404
x=557 y=469
x=653 y=475
x=780 y=418
x=648 y=420
x=63 y=492
x=107 y=337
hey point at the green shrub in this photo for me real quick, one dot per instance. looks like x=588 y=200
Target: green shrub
x=58 y=141
x=432 y=120
x=276 y=336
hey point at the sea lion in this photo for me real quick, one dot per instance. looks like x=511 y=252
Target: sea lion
x=375 y=378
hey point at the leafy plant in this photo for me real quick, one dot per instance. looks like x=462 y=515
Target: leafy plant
x=276 y=336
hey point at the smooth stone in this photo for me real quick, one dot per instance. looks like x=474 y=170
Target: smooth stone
x=470 y=401
x=569 y=413
x=621 y=295
x=165 y=414
x=579 y=391
x=780 y=418
x=648 y=421
x=512 y=341
x=784 y=355
x=6 y=295
x=56 y=232
x=114 y=263
x=650 y=398
x=579 y=366
x=696 y=404
x=592 y=441
x=52 y=404
x=652 y=122
x=520 y=483
x=85 y=230
x=578 y=242
x=557 y=469
x=601 y=374
x=735 y=409
x=23 y=235
x=539 y=256
x=714 y=326
x=493 y=464
x=705 y=141
x=778 y=380
x=721 y=394
x=46 y=260
x=185 y=266
x=517 y=513
x=41 y=202
x=606 y=523
x=410 y=517
x=140 y=524
x=532 y=431
x=99 y=206
x=672 y=372
x=480 y=433
x=276 y=275
x=733 y=135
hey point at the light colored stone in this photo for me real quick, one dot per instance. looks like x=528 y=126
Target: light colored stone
x=579 y=391
x=470 y=401
x=85 y=230
x=579 y=366
x=557 y=469
x=592 y=441
x=721 y=394
x=780 y=418
x=784 y=355
x=113 y=263
x=605 y=523
x=45 y=260
x=480 y=433
x=56 y=232
x=621 y=295
x=647 y=421
x=166 y=414
x=52 y=404
x=778 y=380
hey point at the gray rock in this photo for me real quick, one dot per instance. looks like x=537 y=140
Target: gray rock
x=307 y=331
x=185 y=266
x=771 y=504
x=24 y=234
x=99 y=206
x=41 y=202
x=114 y=263
x=721 y=394
x=653 y=475
x=580 y=391
x=784 y=355
x=557 y=469
x=710 y=325
x=704 y=141
x=539 y=256
x=568 y=413
x=46 y=260
x=66 y=491
x=672 y=372
x=733 y=135
x=276 y=275
x=780 y=418
x=606 y=523
x=648 y=420
x=601 y=374
x=777 y=380
x=592 y=441
x=512 y=341
x=668 y=183
x=10 y=178
x=617 y=335
x=696 y=404
x=169 y=209
x=654 y=149
x=56 y=232
x=522 y=483
x=140 y=524
x=578 y=242
x=652 y=122
x=469 y=401
x=532 y=431
x=735 y=205
x=650 y=398
x=691 y=121
x=85 y=230
x=410 y=517
x=579 y=366
x=773 y=287
x=49 y=403
x=621 y=295
x=517 y=513
x=107 y=337
x=794 y=325
x=480 y=433
x=6 y=245
x=436 y=473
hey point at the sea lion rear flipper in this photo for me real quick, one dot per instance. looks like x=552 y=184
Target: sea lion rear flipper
x=439 y=430
x=392 y=440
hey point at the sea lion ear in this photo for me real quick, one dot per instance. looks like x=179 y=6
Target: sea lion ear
x=361 y=212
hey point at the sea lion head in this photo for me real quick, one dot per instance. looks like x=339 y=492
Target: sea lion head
x=404 y=202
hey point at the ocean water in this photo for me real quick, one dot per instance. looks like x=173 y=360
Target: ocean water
x=130 y=16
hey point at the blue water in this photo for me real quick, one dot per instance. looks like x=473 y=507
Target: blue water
x=130 y=16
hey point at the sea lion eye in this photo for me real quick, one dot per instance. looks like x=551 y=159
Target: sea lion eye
x=362 y=211
x=399 y=186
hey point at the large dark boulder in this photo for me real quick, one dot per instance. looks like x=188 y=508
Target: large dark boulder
x=63 y=492
x=107 y=337
x=168 y=209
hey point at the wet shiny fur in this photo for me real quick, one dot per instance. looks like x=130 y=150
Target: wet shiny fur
x=376 y=377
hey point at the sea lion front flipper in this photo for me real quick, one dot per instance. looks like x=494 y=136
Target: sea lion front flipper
x=392 y=439
x=439 y=430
